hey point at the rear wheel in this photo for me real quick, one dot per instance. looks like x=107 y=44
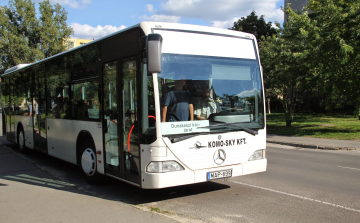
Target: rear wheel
x=21 y=141
x=88 y=163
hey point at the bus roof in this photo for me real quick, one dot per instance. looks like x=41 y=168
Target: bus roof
x=148 y=28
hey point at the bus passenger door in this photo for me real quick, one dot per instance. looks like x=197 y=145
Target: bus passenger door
x=130 y=114
x=120 y=120
x=4 y=103
x=111 y=120
x=10 y=120
x=39 y=111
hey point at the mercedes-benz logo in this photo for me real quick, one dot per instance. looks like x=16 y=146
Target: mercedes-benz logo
x=219 y=156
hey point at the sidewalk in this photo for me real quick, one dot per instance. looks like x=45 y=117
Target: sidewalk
x=28 y=194
x=314 y=143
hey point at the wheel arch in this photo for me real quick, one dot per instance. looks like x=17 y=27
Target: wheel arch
x=82 y=137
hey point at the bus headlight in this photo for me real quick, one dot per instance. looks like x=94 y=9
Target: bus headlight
x=169 y=166
x=165 y=166
x=257 y=155
x=154 y=167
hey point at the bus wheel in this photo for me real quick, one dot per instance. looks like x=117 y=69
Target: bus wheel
x=21 y=141
x=88 y=163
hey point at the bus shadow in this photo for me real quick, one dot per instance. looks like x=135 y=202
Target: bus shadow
x=60 y=175
x=38 y=181
x=134 y=195
x=23 y=169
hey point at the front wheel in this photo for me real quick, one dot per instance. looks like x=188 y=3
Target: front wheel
x=88 y=163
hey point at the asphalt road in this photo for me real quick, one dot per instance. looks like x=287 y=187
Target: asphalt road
x=300 y=185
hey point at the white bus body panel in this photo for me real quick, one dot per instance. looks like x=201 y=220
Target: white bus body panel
x=238 y=146
x=198 y=162
x=62 y=136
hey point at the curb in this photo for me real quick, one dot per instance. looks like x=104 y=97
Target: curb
x=312 y=146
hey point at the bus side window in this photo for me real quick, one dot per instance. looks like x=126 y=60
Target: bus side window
x=85 y=100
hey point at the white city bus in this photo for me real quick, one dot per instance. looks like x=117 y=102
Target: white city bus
x=101 y=105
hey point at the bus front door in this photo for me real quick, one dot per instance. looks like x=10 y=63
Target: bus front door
x=130 y=114
x=120 y=120
x=111 y=120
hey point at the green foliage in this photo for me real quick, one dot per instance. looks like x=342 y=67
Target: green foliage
x=16 y=37
x=285 y=61
x=317 y=52
x=25 y=37
x=336 y=55
x=53 y=28
x=257 y=26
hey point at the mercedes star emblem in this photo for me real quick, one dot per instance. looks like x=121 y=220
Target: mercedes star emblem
x=219 y=156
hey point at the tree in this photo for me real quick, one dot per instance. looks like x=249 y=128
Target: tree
x=16 y=42
x=336 y=49
x=285 y=60
x=25 y=38
x=252 y=24
x=316 y=52
x=53 y=28
x=268 y=54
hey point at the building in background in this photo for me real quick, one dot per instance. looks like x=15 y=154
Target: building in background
x=72 y=42
x=296 y=5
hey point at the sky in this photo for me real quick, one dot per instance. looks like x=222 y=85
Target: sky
x=92 y=19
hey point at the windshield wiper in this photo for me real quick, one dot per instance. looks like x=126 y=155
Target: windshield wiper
x=232 y=125
x=178 y=139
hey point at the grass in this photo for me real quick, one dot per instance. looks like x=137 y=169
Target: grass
x=160 y=211
x=333 y=126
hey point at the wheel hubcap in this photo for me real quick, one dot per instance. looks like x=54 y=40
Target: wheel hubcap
x=21 y=140
x=88 y=162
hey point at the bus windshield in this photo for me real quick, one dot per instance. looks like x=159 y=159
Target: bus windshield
x=209 y=94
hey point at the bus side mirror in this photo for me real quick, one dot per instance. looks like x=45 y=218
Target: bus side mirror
x=153 y=53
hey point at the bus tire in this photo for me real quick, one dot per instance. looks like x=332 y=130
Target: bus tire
x=88 y=162
x=21 y=141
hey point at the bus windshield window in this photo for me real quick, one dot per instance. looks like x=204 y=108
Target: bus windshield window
x=200 y=91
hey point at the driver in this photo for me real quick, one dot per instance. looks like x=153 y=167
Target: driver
x=205 y=105
x=178 y=104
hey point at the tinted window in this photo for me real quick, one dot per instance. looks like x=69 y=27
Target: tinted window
x=85 y=100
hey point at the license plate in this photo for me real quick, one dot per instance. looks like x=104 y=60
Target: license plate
x=219 y=174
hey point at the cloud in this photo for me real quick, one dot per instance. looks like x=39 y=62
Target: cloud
x=78 y=4
x=161 y=18
x=88 y=32
x=150 y=8
x=224 y=24
x=276 y=15
x=219 y=13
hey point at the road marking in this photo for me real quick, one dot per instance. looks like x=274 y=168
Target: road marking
x=349 y=168
x=297 y=196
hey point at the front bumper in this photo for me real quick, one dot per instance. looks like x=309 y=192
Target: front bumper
x=177 y=178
